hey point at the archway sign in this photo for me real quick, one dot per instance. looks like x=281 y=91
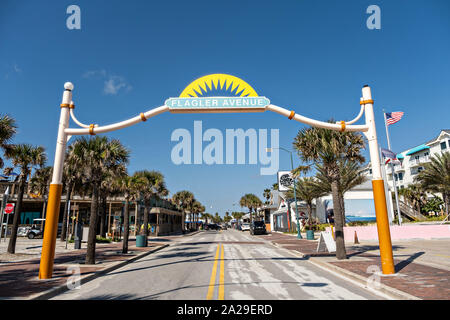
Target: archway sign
x=215 y=93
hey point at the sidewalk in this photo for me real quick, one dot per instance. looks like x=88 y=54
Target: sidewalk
x=19 y=273
x=422 y=266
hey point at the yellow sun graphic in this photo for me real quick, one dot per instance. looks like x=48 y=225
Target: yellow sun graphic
x=218 y=85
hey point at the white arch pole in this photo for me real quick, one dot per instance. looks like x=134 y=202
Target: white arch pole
x=54 y=197
x=48 y=249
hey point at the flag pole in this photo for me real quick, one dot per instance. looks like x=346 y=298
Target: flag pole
x=393 y=171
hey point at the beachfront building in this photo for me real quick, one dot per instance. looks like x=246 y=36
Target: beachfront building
x=412 y=160
x=359 y=206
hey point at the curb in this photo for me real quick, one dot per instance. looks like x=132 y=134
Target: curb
x=63 y=288
x=389 y=291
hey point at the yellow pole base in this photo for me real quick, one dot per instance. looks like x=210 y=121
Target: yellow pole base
x=50 y=232
x=384 y=235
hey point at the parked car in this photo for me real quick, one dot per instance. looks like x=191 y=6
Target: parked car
x=37 y=231
x=258 y=227
x=245 y=227
x=212 y=226
x=22 y=231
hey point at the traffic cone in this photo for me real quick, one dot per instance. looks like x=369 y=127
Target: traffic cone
x=356 y=238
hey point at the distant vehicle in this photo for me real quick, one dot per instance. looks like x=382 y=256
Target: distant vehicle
x=212 y=226
x=22 y=231
x=224 y=226
x=245 y=227
x=258 y=227
x=35 y=230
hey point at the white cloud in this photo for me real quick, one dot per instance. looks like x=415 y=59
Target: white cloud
x=112 y=83
x=16 y=68
x=12 y=69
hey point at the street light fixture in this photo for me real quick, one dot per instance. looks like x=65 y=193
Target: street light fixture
x=299 y=235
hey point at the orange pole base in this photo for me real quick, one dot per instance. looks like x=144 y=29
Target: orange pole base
x=384 y=235
x=50 y=232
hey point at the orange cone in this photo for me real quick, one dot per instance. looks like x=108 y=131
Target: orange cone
x=356 y=238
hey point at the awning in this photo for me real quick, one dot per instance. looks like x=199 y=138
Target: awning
x=417 y=149
x=400 y=156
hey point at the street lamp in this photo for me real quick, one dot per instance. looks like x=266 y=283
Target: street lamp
x=299 y=235
x=4 y=201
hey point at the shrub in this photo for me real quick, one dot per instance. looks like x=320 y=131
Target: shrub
x=102 y=240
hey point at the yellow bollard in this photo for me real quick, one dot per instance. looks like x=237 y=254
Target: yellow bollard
x=384 y=235
x=50 y=232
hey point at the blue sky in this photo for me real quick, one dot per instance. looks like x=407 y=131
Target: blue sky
x=311 y=56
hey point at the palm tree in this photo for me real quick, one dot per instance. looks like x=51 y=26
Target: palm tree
x=131 y=187
x=7 y=131
x=93 y=156
x=307 y=189
x=237 y=216
x=415 y=195
x=252 y=202
x=24 y=156
x=155 y=187
x=216 y=218
x=227 y=217
x=183 y=200
x=267 y=194
x=196 y=209
x=350 y=174
x=40 y=183
x=108 y=188
x=435 y=177
x=328 y=147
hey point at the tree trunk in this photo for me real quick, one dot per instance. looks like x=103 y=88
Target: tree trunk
x=146 y=212
x=103 y=217
x=15 y=226
x=309 y=208
x=338 y=222
x=126 y=226
x=66 y=207
x=251 y=217
x=90 y=253
x=342 y=206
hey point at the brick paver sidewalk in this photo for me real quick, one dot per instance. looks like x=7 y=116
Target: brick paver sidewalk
x=19 y=280
x=419 y=280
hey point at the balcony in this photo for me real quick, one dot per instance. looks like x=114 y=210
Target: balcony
x=397 y=168
x=415 y=162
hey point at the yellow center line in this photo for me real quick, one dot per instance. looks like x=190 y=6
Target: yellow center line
x=222 y=276
x=212 y=281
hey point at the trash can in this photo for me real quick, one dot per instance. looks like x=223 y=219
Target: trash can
x=141 y=241
x=78 y=236
x=309 y=234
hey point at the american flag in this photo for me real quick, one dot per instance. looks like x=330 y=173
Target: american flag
x=393 y=117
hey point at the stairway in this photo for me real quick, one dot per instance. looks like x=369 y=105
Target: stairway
x=406 y=210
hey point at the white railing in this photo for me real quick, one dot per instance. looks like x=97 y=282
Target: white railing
x=420 y=160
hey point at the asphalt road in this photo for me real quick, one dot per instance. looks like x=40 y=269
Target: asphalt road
x=220 y=265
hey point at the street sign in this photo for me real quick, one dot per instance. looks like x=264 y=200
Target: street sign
x=9 y=208
x=326 y=242
x=285 y=180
